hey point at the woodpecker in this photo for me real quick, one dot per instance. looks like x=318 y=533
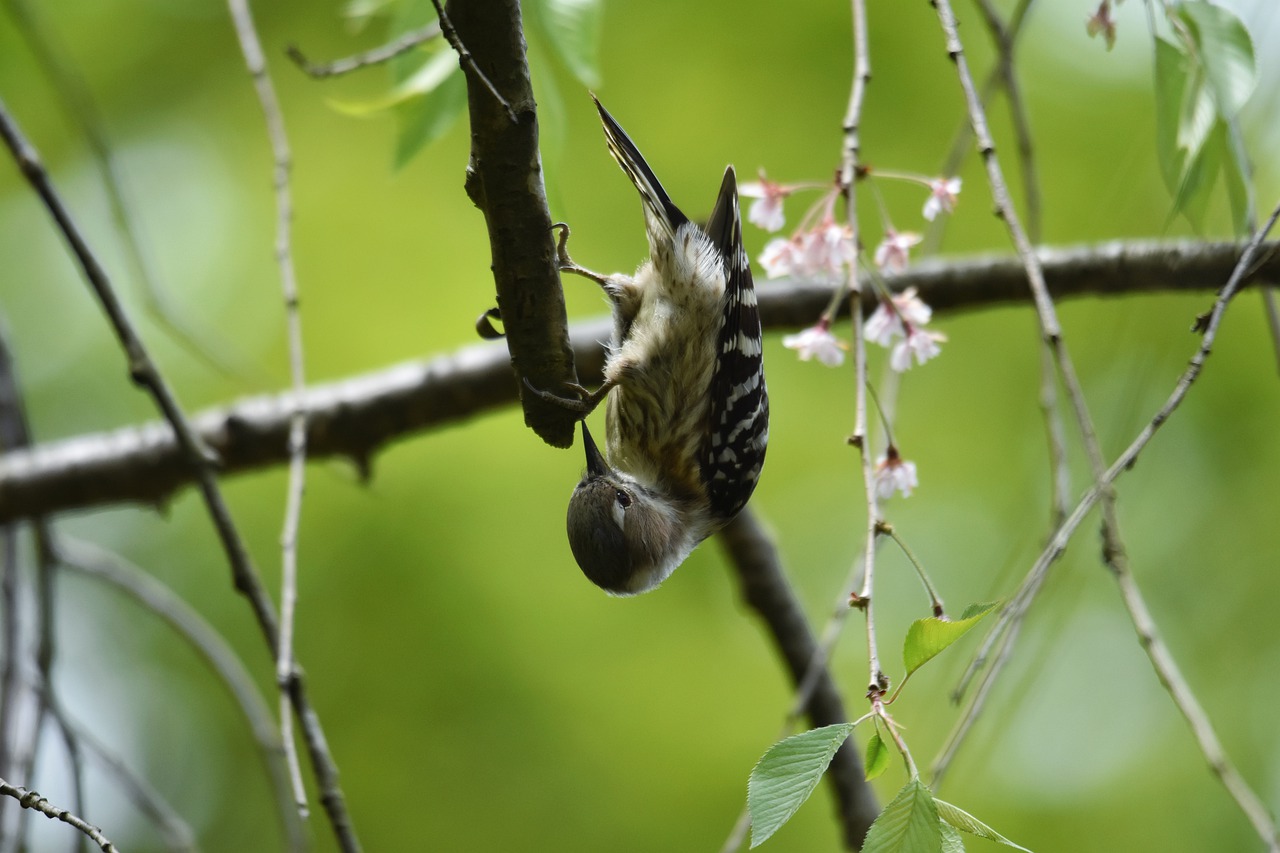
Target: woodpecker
x=687 y=412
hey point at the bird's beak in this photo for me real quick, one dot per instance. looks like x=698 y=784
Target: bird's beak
x=596 y=466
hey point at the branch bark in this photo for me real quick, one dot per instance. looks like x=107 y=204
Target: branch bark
x=356 y=417
x=504 y=180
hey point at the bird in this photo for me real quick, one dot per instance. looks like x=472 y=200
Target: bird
x=686 y=406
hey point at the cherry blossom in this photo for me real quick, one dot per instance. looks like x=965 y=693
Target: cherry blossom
x=766 y=211
x=817 y=341
x=894 y=474
x=891 y=318
x=942 y=197
x=921 y=343
x=891 y=254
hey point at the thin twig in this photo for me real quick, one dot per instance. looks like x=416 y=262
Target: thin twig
x=1036 y=575
x=32 y=800
x=468 y=62
x=859 y=437
x=255 y=61
x=151 y=804
x=376 y=56
x=1005 y=37
x=81 y=110
x=201 y=462
x=152 y=595
x=755 y=560
x=1050 y=328
x=1184 y=698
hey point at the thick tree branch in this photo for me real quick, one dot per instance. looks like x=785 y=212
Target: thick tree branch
x=356 y=417
x=504 y=180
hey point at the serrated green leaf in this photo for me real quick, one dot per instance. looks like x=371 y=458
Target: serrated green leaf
x=952 y=841
x=876 y=759
x=961 y=819
x=573 y=28
x=786 y=775
x=1224 y=50
x=909 y=824
x=927 y=637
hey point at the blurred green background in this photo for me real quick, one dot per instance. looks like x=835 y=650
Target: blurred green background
x=477 y=692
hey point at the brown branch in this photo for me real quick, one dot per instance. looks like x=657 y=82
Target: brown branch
x=504 y=180
x=356 y=417
x=765 y=588
x=377 y=56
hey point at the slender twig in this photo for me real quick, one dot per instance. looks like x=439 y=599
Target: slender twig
x=81 y=110
x=10 y=697
x=32 y=800
x=859 y=437
x=468 y=62
x=1005 y=36
x=1050 y=328
x=935 y=600
x=376 y=56
x=755 y=560
x=1036 y=575
x=201 y=461
x=151 y=803
x=152 y=595
x=1184 y=698
x=255 y=61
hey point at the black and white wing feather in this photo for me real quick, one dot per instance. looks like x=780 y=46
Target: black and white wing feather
x=739 y=429
x=661 y=216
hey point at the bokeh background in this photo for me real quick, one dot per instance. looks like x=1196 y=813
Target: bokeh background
x=477 y=692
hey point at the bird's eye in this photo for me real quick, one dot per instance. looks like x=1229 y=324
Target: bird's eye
x=624 y=499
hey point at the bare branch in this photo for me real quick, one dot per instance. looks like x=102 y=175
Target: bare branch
x=256 y=62
x=32 y=800
x=377 y=56
x=81 y=109
x=198 y=462
x=504 y=180
x=356 y=417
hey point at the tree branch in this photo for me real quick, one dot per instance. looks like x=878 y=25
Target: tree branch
x=504 y=180
x=356 y=417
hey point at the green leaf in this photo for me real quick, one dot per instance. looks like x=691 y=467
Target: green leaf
x=961 y=819
x=952 y=840
x=573 y=28
x=429 y=77
x=909 y=824
x=425 y=119
x=876 y=759
x=1171 y=81
x=927 y=637
x=1224 y=50
x=1236 y=175
x=786 y=775
x=1193 y=194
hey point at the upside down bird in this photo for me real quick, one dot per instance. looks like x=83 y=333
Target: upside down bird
x=687 y=412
